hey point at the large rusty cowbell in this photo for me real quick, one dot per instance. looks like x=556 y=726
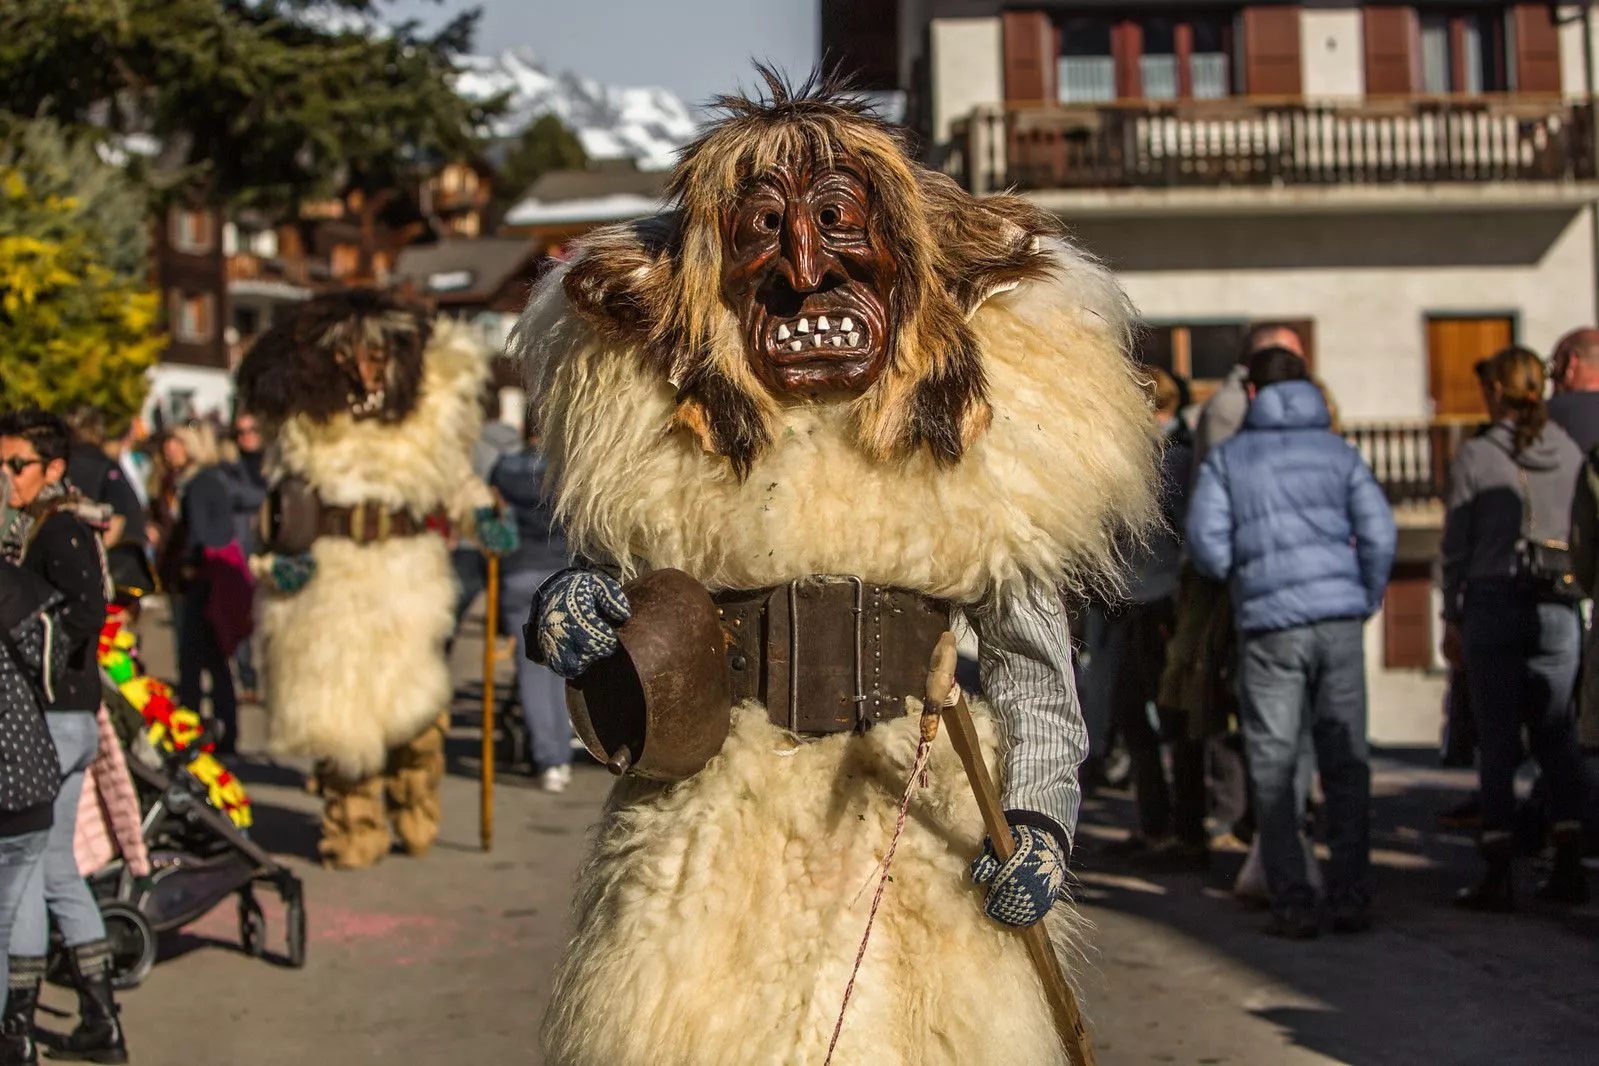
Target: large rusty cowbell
x=661 y=706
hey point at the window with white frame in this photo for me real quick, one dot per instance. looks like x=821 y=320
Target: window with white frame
x=191 y=231
x=193 y=317
x=1087 y=67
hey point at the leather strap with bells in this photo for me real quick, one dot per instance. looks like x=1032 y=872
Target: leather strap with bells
x=830 y=654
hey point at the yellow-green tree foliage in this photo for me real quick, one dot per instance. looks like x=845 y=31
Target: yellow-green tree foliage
x=76 y=318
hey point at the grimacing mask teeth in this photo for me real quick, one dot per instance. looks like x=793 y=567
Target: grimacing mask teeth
x=808 y=282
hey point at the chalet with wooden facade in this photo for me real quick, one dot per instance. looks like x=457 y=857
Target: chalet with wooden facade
x=1411 y=185
x=225 y=277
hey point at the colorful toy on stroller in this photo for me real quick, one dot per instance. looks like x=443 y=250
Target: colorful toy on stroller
x=195 y=820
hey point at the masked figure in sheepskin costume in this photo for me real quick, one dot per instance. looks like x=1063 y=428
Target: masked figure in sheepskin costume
x=852 y=401
x=373 y=411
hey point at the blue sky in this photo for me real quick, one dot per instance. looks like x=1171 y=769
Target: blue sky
x=696 y=48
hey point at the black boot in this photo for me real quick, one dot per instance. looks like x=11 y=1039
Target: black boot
x=1567 y=882
x=98 y=1037
x=22 y=997
x=1495 y=891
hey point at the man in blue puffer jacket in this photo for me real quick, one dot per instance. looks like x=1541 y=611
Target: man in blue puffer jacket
x=1290 y=516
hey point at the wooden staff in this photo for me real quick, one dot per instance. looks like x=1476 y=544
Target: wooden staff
x=963 y=735
x=490 y=640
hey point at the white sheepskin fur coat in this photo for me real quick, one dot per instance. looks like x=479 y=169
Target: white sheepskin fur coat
x=355 y=660
x=718 y=918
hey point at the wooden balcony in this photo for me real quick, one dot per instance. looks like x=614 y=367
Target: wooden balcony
x=1411 y=459
x=1252 y=142
x=247 y=267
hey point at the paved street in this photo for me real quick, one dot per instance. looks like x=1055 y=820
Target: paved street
x=449 y=958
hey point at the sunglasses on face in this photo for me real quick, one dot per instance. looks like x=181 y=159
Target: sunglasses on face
x=17 y=464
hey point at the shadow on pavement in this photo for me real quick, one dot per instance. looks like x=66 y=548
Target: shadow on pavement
x=280 y=830
x=1428 y=984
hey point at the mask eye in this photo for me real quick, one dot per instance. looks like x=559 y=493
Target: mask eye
x=829 y=216
x=770 y=220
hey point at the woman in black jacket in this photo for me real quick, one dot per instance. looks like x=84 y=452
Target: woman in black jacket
x=205 y=519
x=47 y=534
x=30 y=772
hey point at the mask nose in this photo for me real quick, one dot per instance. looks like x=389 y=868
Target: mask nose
x=804 y=262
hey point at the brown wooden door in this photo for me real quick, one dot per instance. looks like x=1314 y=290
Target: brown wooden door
x=1454 y=345
x=1407 y=618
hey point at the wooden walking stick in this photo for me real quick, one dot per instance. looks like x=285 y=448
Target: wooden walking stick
x=490 y=621
x=963 y=734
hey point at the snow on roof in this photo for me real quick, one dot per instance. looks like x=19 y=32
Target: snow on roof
x=614 y=208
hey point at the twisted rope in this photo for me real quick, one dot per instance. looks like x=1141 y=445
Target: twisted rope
x=918 y=768
x=917 y=777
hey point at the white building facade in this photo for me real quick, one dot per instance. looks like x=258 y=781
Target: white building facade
x=1410 y=186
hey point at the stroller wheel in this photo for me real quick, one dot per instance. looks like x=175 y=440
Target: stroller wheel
x=133 y=945
x=252 y=926
x=295 y=913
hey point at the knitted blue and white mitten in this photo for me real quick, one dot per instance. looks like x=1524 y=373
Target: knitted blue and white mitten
x=496 y=533
x=291 y=573
x=1021 y=891
x=575 y=616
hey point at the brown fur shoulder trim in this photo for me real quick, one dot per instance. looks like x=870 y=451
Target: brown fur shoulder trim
x=620 y=281
x=723 y=418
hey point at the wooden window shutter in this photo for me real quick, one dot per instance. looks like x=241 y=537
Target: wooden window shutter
x=1029 y=58
x=1127 y=45
x=1272 y=61
x=1391 y=31
x=1537 y=42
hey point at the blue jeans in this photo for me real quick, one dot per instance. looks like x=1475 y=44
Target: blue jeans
x=542 y=692
x=19 y=857
x=57 y=890
x=1309 y=678
x=1522 y=659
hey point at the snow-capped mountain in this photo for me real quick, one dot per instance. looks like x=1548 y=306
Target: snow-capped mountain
x=647 y=125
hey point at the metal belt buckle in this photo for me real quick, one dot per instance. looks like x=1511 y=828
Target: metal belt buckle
x=793 y=656
x=858 y=700
x=859 y=612
x=357 y=531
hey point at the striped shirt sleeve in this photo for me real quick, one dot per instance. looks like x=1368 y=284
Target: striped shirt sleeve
x=1025 y=662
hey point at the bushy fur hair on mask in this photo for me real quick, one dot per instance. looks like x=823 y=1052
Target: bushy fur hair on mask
x=294 y=368
x=656 y=284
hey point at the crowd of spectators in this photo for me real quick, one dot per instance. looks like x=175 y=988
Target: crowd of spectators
x=1236 y=662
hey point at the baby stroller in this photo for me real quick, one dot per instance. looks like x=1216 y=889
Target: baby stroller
x=198 y=858
x=195 y=822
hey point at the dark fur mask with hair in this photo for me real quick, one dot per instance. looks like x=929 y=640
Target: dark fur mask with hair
x=790 y=210
x=357 y=352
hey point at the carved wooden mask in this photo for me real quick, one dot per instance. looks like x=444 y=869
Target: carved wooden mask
x=809 y=280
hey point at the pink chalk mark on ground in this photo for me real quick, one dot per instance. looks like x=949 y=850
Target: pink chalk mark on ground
x=412 y=936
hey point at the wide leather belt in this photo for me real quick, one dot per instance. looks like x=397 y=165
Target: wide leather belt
x=293 y=516
x=367 y=523
x=830 y=654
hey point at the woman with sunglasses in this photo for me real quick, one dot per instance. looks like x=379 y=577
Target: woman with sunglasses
x=45 y=533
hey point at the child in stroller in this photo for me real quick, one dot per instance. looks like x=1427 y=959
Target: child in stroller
x=195 y=817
